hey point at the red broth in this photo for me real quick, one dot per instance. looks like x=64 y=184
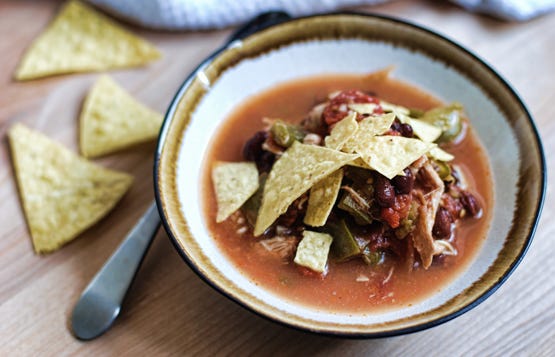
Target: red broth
x=351 y=286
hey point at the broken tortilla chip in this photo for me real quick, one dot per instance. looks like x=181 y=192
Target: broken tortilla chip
x=426 y=132
x=313 y=251
x=367 y=129
x=234 y=184
x=81 y=39
x=296 y=171
x=322 y=198
x=440 y=154
x=389 y=155
x=363 y=108
x=112 y=120
x=62 y=194
x=342 y=131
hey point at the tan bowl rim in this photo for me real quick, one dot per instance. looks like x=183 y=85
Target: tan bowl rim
x=340 y=333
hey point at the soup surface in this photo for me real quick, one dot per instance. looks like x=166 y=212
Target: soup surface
x=351 y=286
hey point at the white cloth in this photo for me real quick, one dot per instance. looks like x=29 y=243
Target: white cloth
x=207 y=14
x=516 y=10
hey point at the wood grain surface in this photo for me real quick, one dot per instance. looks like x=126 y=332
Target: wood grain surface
x=170 y=311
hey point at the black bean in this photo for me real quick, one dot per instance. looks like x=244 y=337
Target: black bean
x=404 y=184
x=470 y=204
x=396 y=125
x=443 y=224
x=406 y=130
x=253 y=147
x=265 y=161
x=384 y=192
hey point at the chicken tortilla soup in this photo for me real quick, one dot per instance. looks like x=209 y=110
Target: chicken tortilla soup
x=348 y=193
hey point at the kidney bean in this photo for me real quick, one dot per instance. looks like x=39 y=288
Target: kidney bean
x=384 y=192
x=443 y=224
x=404 y=184
x=470 y=203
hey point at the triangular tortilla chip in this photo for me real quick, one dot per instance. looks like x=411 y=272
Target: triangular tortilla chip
x=297 y=170
x=322 y=198
x=389 y=155
x=62 y=194
x=112 y=120
x=342 y=131
x=234 y=183
x=81 y=39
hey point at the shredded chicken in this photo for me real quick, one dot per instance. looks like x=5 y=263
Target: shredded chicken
x=361 y=201
x=429 y=202
x=444 y=247
x=316 y=113
x=271 y=146
x=312 y=139
x=282 y=247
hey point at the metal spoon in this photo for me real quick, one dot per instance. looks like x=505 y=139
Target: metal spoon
x=101 y=301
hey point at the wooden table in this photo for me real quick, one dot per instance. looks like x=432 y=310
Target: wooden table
x=170 y=310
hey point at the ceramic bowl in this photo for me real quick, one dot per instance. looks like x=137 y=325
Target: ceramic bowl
x=274 y=49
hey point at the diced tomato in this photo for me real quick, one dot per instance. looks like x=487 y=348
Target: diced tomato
x=394 y=215
x=391 y=216
x=337 y=108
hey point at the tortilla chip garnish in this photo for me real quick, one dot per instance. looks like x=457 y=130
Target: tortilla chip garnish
x=62 y=194
x=313 y=251
x=234 y=184
x=342 y=131
x=322 y=198
x=397 y=109
x=423 y=130
x=389 y=155
x=426 y=132
x=81 y=39
x=112 y=120
x=368 y=128
x=363 y=108
x=358 y=162
x=297 y=170
x=440 y=155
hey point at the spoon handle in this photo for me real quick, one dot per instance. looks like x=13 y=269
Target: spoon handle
x=101 y=301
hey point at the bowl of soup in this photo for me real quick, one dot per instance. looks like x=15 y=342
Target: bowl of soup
x=349 y=174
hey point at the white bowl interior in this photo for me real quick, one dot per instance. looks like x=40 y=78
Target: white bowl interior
x=349 y=56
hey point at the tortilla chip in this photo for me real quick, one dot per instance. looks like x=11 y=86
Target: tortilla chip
x=397 y=109
x=342 y=131
x=389 y=155
x=358 y=162
x=368 y=128
x=112 y=120
x=440 y=154
x=81 y=39
x=234 y=183
x=298 y=169
x=363 y=108
x=62 y=194
x=312 y=251
x=322 y=198
x=426 y=132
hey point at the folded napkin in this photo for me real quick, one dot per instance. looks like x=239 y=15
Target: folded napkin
x=207 y=14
